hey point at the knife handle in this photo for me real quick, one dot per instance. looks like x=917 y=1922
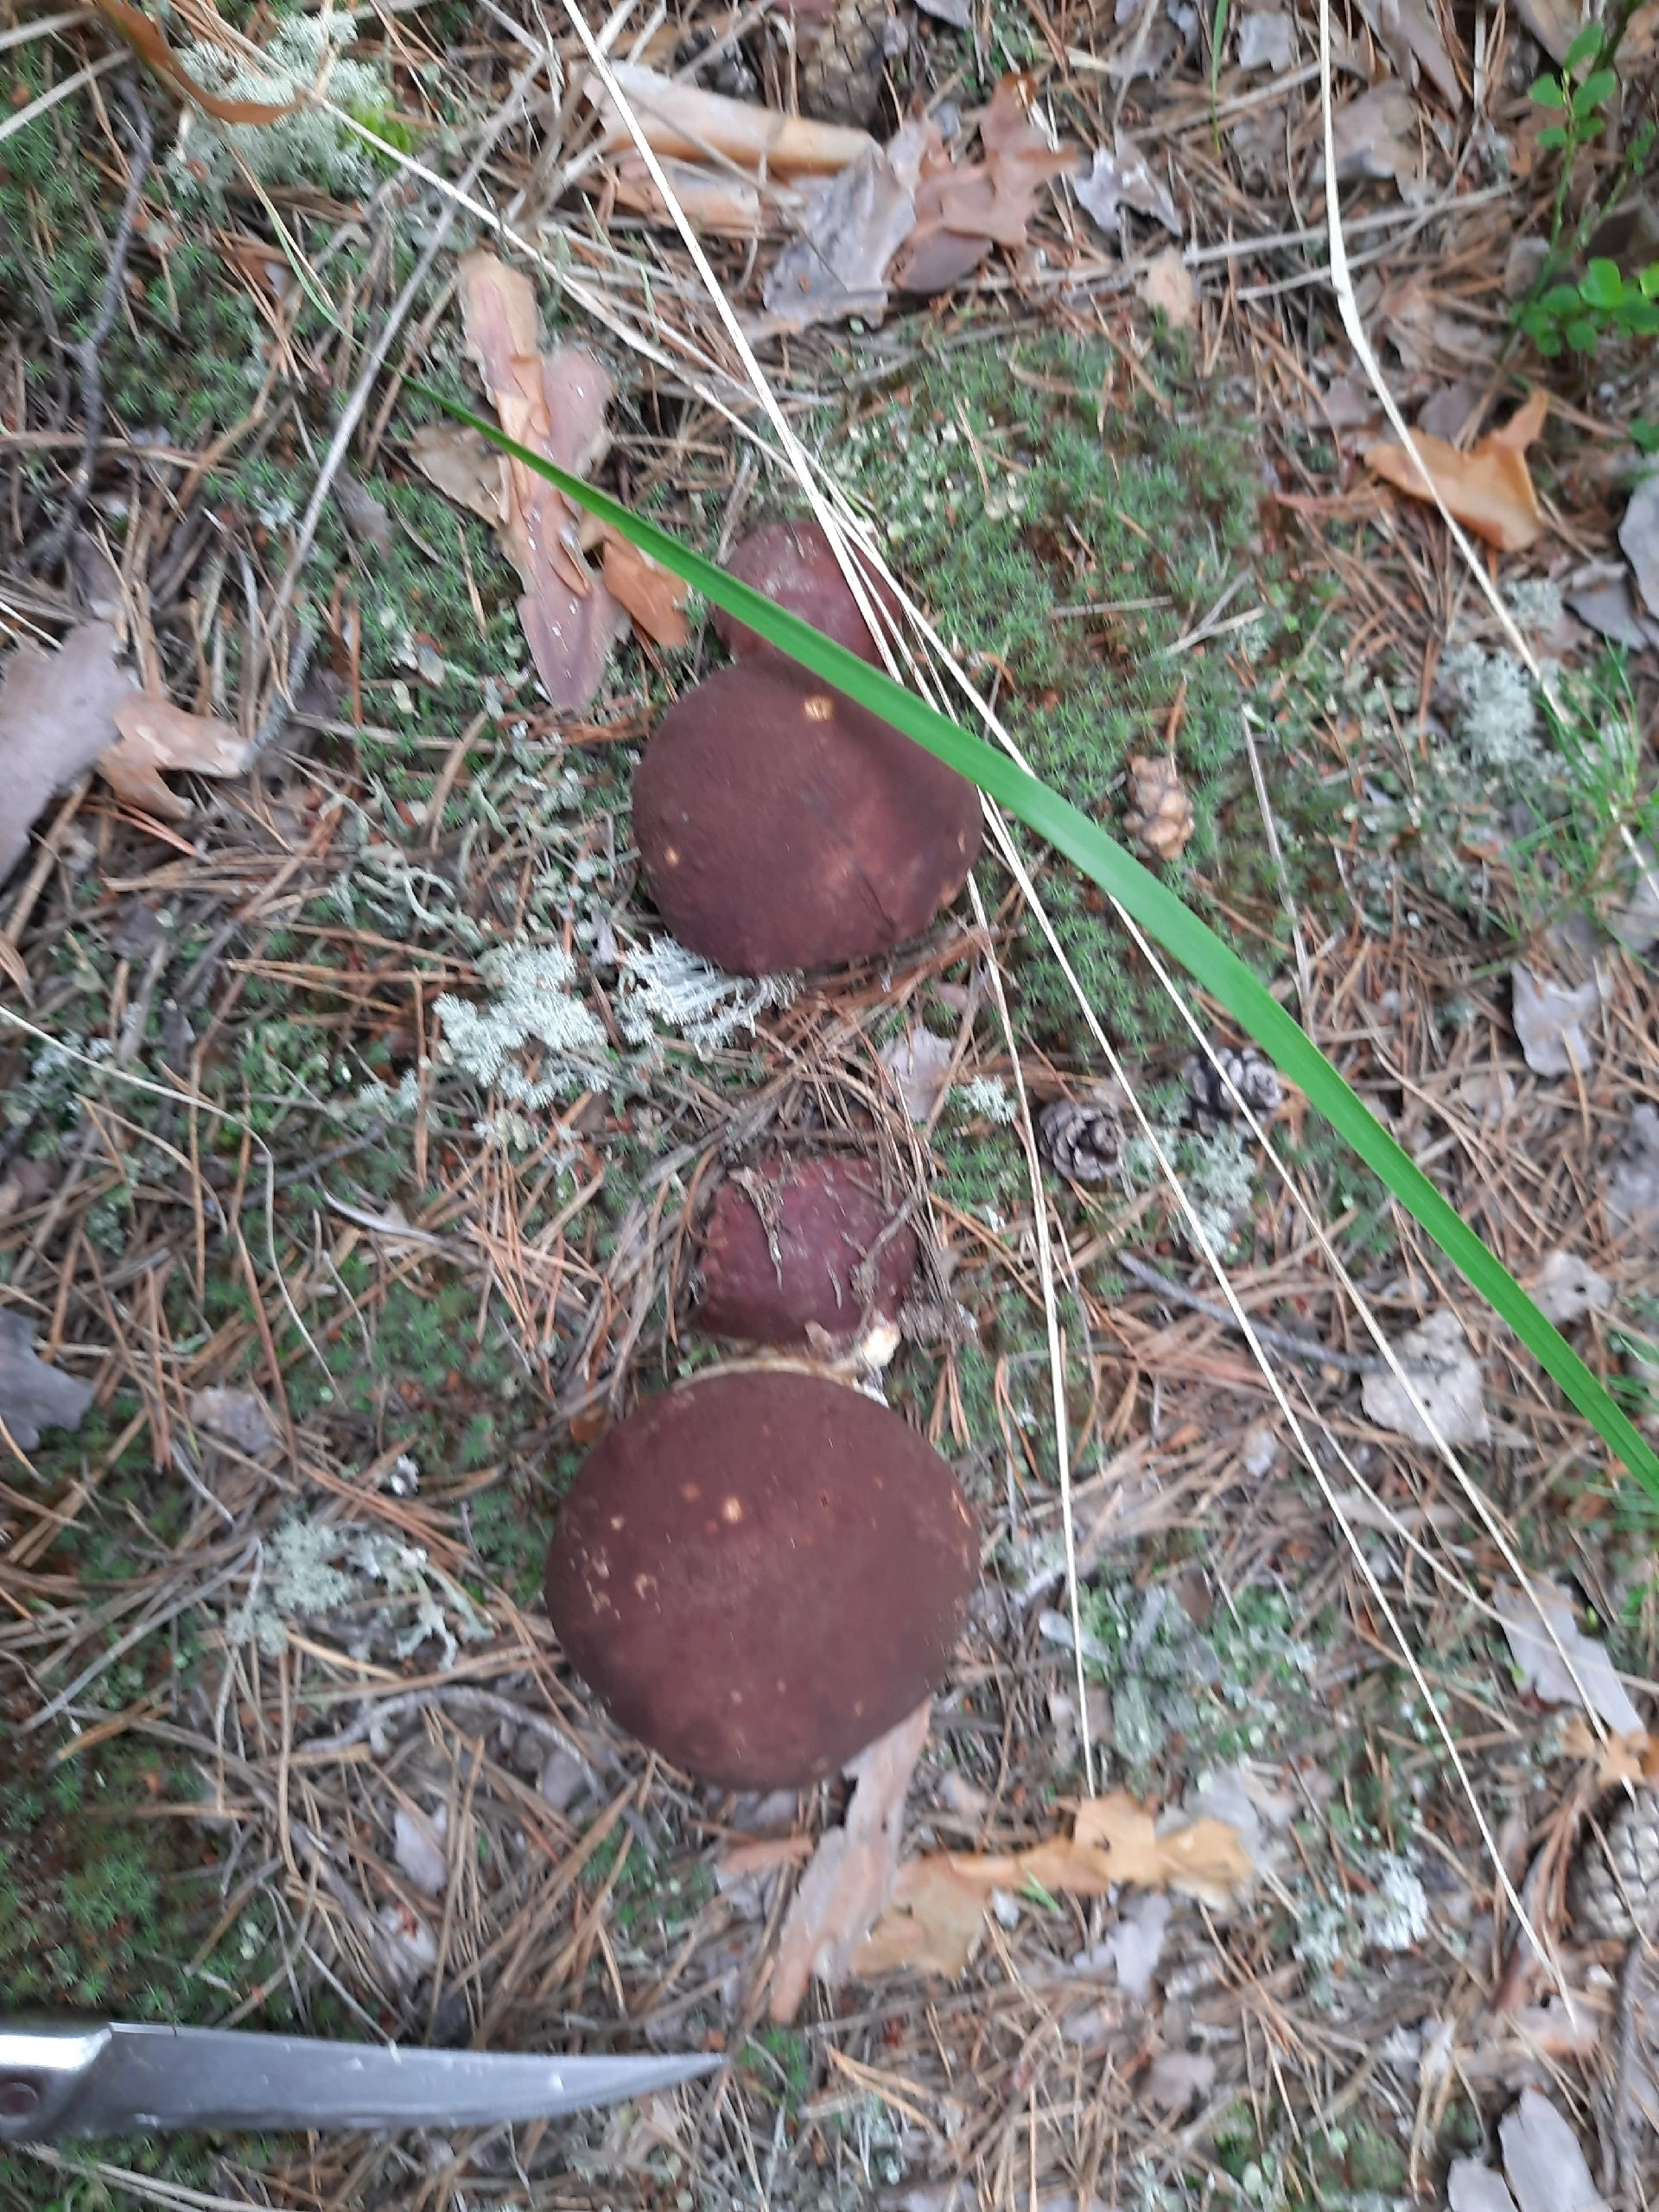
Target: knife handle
x=41 y=2071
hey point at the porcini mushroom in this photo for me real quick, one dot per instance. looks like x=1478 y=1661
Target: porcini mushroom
x=760 y=1572
x=780 y=826
x=791 y=1242
x=793 y=563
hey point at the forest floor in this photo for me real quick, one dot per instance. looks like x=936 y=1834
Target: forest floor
x=289 y=1741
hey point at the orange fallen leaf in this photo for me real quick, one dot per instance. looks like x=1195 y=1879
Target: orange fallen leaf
x=1619 y=1759
x=1115 y=1840
x=650 y=595
x=764 y=1856
x=147 y=43
x=1488 y=489
x=156 y=734
x=932 y=1919
x=931 y=1923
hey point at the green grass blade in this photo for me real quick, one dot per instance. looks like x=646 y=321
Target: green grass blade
x=1191 y=941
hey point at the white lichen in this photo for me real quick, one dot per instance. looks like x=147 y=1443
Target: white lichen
x=307 y=147
x=531 y=1007
x=1395 y=1915
x=1497 y=718
x=663 y=985
x=1217 y=1173
x=312 y=1569
x=986 y=1097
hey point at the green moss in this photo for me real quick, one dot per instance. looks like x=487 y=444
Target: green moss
x=1011 y=487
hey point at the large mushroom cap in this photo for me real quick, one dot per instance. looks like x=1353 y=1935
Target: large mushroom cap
x=793 y=562
x=787 y=1244
x=760 y=1572
x=781 y=826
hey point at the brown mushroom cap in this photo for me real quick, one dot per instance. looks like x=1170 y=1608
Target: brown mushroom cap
x=781 y=826
x=793 y=562
x=826 y=1216
x=760 y=1572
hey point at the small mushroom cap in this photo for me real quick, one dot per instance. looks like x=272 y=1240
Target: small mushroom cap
x=826 y=1216
x=760 y=1572
x=792 y=563
x=781 y=826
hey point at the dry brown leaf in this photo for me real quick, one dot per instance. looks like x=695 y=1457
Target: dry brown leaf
x=556 y=406
x=57 y=715
x=1488 y=489
x=962 y=210
x=931 y=1924
x=1619 y=1759
x=652 y=596
x=1115 y=1840
x=852 y=1871
x=853 y=225
x=684 y=122
x=156 y=735
x=1167 y=284
x=465 y=467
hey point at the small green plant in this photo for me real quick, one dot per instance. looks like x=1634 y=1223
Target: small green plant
x=1561 y=313
x=1575 y=318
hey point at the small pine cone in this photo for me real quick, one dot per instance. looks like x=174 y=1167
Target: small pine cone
x=1159 y=818
x=1082 y=1137
x=840 y=57
x=1255 y=1080
x=1615 y=1881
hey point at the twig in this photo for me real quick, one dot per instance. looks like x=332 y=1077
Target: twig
x=392 y=1708
x=1307 y=1348
x=89 y=353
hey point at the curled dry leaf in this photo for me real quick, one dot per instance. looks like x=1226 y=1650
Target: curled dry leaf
x=721 y=206
x=1488 y=489
x=1550 y=1019
x=33 y=1396
x=918 y=1063
x=1376 y=135
x=57 y=715
x=1583 y=1676
x=1168 y=285
x=156 y=735
x=690 y=124
x=964 y=209
x=1159 y=818
x=1122 y=177
x=652 y=597
x=555 y=407
x=853 y=1869
x=554 y=404
x=853 y=226
x=1445 y=1375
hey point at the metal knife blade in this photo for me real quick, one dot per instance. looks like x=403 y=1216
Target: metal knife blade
x=119 y=2079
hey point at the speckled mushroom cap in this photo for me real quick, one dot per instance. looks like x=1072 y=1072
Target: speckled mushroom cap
x=792 y=563
x=760 y=1572
x=781 y=826
x=783 y=1246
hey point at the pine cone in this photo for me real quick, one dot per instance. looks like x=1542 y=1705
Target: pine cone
x=839 y=58
x=1255 y=1080
x=1082 y=1137
x=1615 y=1882
x=1159 y=818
